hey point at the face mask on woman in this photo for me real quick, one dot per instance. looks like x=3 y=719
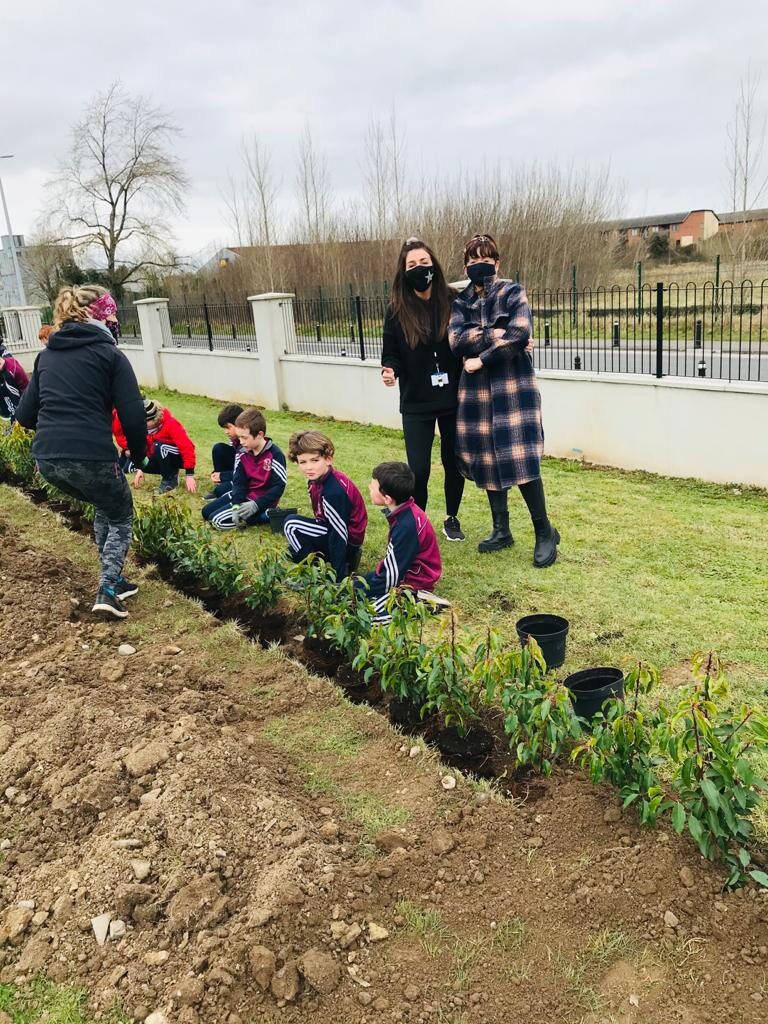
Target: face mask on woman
x=478 y=273
x=420 y=278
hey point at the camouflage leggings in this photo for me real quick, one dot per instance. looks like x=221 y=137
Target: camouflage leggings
x=101 y=484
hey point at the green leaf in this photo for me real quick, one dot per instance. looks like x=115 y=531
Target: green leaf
x=743 y=856
x=710 y=791
x=696 y=829
x=678 y=818
x=760 y=877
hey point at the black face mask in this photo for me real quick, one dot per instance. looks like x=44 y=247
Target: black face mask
x=420 y=278
x=478 y=273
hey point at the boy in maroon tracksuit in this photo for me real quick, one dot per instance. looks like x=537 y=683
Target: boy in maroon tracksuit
x=413 y=557
x=258 y=481
x=338 y=528
x=13 y=383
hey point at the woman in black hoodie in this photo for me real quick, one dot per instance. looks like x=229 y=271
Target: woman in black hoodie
x=416 y=355
x=77 y=380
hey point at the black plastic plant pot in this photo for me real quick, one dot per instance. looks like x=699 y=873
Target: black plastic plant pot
x=277 y=517
x=592 y=687
x=550 y=632
x=406 y=714
x=474 y=744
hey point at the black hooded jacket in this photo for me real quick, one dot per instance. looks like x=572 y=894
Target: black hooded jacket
x=77 y=381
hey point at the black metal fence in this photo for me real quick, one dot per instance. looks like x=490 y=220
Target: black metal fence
x=685 y=330
x=130 y=330
x=215 y=326
x=349 y=326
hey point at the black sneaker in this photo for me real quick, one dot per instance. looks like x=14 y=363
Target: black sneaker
x=107 y=601
x=125 y=589
x=452 y=529
x=168 y=484
x=210 y=496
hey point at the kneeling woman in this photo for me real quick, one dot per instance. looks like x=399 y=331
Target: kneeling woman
x=499 y=436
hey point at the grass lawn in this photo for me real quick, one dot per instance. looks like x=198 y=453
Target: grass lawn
x=649 y=567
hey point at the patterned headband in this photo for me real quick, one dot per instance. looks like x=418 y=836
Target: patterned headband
x=103 y=307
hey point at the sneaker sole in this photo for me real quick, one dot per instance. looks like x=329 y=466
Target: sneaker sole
x=115 y=612
x=121 y=595
x=458 y=539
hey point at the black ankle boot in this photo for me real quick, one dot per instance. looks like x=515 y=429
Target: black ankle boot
x=499 y=537
x=547 y=539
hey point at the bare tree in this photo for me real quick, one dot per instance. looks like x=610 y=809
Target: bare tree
x=260 y=179
x=747 y=172
x=313 y=190
x=397 y=170
x=49 y=263
x=118 y=183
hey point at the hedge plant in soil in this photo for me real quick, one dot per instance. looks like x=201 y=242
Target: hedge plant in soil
x=714 y=785
x=538 y=716
x=623 y=747
x=394 y=653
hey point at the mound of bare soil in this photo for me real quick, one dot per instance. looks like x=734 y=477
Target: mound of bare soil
x=162 y=848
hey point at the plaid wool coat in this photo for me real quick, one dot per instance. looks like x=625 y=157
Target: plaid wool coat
x=499 y=436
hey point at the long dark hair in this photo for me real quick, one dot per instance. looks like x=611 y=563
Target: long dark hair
x=416 y=316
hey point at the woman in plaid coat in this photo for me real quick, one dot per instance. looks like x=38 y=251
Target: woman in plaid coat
x=500 y=439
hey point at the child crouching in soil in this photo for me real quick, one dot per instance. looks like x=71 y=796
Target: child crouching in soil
x=258 y=481
x=169 y=449
x=340 y=519
x=412 y=558
x=225 y=454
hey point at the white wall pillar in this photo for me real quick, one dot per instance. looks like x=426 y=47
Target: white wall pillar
x=22 y=326
x=273 y=319
x=155 y=328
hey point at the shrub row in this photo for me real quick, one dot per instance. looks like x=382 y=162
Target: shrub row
x=687 y=761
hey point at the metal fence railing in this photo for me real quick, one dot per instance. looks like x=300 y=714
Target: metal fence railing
x=130 y=330
x=349 y=326
x=216 y=326
x=685 y=330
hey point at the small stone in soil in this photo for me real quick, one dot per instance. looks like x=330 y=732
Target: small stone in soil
x=100 y=927
x=448 y=782
x=671 y=920
x=126 y=650
x=686 y=877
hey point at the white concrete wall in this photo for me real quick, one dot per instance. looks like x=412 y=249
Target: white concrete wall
x=230 y=376
x=347 y=389
x=675 y=426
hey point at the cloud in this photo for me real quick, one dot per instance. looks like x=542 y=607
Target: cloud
x=648 y=87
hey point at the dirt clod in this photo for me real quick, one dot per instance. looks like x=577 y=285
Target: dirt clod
x=320 y=971
x=263 y=966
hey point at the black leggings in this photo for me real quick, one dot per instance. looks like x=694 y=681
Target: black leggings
x=419 y=433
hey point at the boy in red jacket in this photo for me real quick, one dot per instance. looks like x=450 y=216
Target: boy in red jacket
x=169 y=449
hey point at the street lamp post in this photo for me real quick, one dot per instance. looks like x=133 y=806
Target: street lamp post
x=14 y=256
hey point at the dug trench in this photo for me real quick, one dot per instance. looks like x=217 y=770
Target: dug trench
x=484 y=753
x=256 y=848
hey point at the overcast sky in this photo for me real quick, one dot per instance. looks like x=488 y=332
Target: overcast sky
x=648 y=85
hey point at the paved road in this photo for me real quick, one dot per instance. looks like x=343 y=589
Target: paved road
x=600 y=357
